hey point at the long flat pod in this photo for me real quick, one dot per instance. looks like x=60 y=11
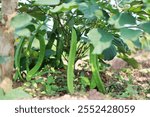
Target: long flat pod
x=17 y=59
x=95 y=71
x=40 y=59
x=70 y=69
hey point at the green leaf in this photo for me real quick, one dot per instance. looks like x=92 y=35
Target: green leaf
x=38 y=14
x=100 y=39
x=89 y=10
x=145 y=27
x=122 y=20
x=126 y=19
x=1 y=93
x=16 y=94
x=109 y=53
x=47 y=2
x=85 y=81
x=50 y=80
x=21 y=20
x=23 y=32
x=64 y=7
x=130 y=34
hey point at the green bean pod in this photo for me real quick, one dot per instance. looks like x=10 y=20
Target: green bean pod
x=70 y=69
x=95 y=71
x=40 y=59
x=17 y=59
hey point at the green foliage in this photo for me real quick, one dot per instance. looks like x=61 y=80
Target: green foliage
x=130 y=34
x=47 y=2
x=109 y=53
x=45 y=34
x=50 y=86
x=21 y=20
x=100 y=39
x=88 y=9
x=14 y=94
x=64 y=7
x=122 y=19
x=145 y=27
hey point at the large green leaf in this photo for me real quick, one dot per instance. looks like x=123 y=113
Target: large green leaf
x=21 y=20
x=47 y=2
x=126 y=19
x=100 y=39
x=122 y=20
x=89 y=10
x=23 y=32
x=109 y=53
x=64 y=7
x=15 y=94
x=145 y=27
x=130 y=34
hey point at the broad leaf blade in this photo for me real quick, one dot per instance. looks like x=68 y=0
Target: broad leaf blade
x=47 y=2
x=64 y=7
x=100 y=39
x=89 y=10
x=130 y=34
x=23 y=32
x=16 y=94
x=122 y=20
x=21 y=20
x=145 y=27
x=110 y=53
